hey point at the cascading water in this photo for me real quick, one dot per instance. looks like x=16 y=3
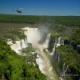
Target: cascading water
x=34 y=35
x=17 y=46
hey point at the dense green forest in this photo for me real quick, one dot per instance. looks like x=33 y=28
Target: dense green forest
x=15 y=67
x=70 y=59
x=65 y=20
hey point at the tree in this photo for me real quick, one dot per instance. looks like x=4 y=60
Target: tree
x=15 y=67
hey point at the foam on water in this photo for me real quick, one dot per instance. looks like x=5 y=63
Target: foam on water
x=17 y=46
x=34 y=35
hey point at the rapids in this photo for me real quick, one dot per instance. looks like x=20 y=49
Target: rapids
x=34 y=35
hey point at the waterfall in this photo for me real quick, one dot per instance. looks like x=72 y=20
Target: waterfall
x=33 y=36
x=53 y=50
x=59 y=42
x=17 y=46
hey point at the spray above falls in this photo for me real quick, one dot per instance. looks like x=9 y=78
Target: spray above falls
x=33 y=35
x=39 y=38
x=36 y=36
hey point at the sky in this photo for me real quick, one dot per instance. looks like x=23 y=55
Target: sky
x=41 y=7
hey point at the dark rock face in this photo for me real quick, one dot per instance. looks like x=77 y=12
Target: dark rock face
x=51 y=44
x=43 y=39
x=74 y=45
x=73 y=73
x=66 y=42
x=78 y=48
x=55 y=56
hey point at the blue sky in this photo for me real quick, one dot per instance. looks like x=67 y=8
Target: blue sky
x=41 y=7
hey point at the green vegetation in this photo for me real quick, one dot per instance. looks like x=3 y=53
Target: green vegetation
x=18 y=18
x=76 y=36
x=30 y=54
x=55 y=35
x=71 y=59
x=70 y=56
x=64 y=20
x=14 y=67
x=68 y=20
x=15 y=35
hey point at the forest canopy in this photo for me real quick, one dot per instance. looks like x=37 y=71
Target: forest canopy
x=15 y=67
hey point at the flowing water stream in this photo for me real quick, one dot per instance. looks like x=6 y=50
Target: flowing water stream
x=34 y=35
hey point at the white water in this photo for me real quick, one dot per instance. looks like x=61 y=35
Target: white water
x=17 y=46
x=33 y=36
x=56 y=44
